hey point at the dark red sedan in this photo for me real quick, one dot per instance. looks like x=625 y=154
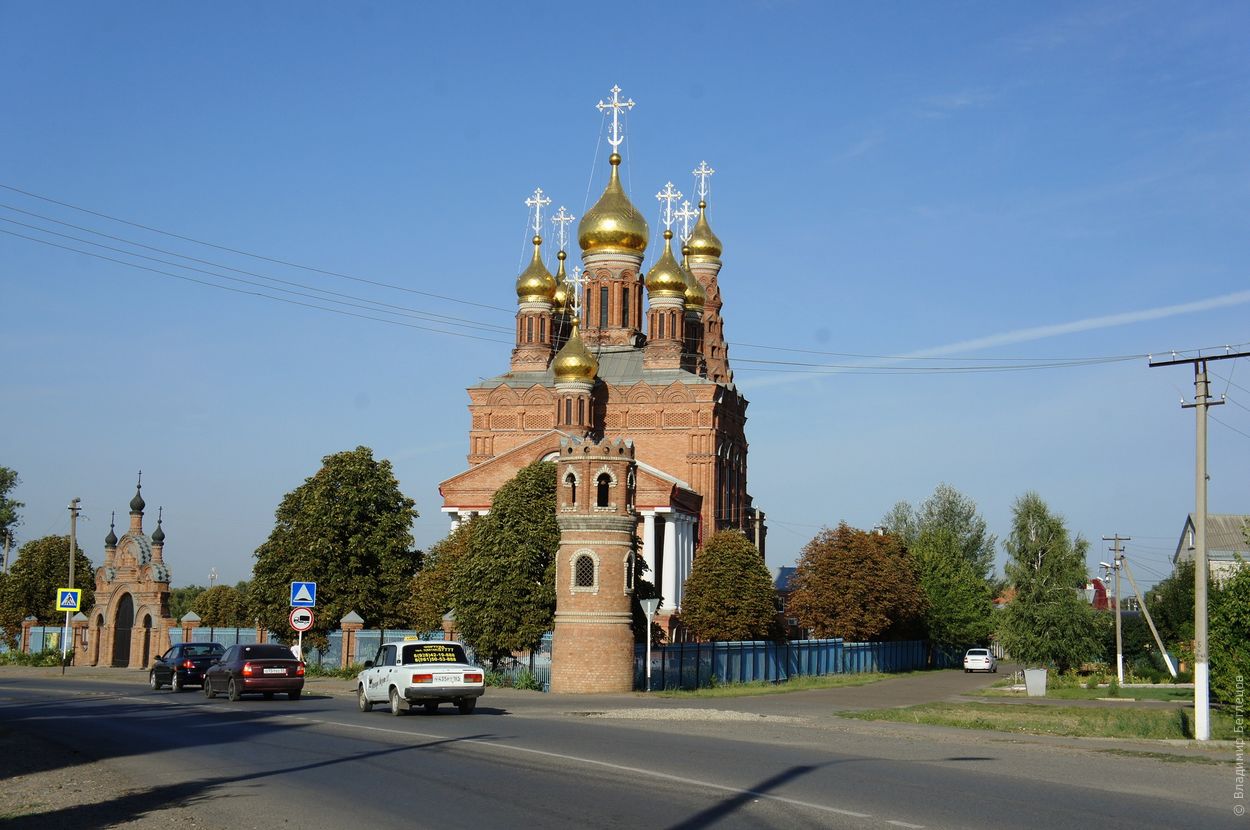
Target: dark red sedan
x=259 y=668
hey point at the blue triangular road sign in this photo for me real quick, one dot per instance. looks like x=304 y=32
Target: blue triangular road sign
x=303 y=594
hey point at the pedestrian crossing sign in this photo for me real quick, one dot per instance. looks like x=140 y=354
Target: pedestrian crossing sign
x=68 y=599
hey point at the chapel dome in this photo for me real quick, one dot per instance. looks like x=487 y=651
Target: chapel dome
x=666 y=278
x=703 y=244
x=536 y=285
x=574 y=363
x=613 y=225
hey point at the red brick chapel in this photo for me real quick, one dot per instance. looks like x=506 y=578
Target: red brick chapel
x=614 y=350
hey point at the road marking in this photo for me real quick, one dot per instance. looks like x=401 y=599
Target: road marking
x=905 y=824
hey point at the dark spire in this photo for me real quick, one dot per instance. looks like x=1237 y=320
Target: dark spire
x=137 y=503
x=110 y=541
x=158 y=535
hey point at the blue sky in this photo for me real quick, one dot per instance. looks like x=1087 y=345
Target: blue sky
x=991 y=185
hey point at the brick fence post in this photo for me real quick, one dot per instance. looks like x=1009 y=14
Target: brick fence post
x=350 y=624
x=27 y=625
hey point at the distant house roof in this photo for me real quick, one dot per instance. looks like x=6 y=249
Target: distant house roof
x=1225 y=537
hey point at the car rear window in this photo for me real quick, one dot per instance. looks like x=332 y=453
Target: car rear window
x=204 y=650
x=434 y=652
x=979 y=652
x=267 y=652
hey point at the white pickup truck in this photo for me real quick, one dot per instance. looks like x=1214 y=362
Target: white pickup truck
x=426 y=672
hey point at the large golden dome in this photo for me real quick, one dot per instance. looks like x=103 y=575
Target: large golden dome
x=574 y=362
x=536 y=285
x=696 y=295
x=703 y=244
x=561 y=300
x=613 y=225
x=666 y=278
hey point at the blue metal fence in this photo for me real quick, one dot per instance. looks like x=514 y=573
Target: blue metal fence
x=367 y=642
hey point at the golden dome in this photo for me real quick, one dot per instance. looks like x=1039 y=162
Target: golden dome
x=703 y=244
x=696 y=295
x=574 y=362
x=666 y=278
x=564 y=289
x=613 y=225
x=536 y=285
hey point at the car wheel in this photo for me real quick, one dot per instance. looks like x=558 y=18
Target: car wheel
x=208 y=690
x=467 y=705
x=431 y=707
x=294 y=694
x=362 y=701
x=232 y=690
x=268 y=695
x=152 y=681
x=396 y=708
x=175 y=683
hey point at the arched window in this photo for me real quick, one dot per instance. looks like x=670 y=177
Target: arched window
x=604 y=482
x=584 y=572
x=571 y=481
x=659 y=319
x=542 y=329
x=581 y=411
x=603 y=306
x=629 y=571
x=568 y=411
x=529 y=329
x=624 y=305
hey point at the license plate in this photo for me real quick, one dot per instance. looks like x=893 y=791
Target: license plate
x=447 y=678
x=275 y=671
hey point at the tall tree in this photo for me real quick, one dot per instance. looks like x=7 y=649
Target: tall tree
x=42 y=566
x=349 y=529
x=954 y=512
x=9 y=507
x=503 y=590
x=224 y=606
x=959 y=601
x=729 y=594
x=1048 y=622
x=856 y=585
x=429 y=599
x=1229 y=635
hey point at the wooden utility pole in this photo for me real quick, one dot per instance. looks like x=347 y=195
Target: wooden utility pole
x=1202 y=400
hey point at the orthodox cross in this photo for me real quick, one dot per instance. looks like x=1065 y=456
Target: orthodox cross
x=536 y=203
x=702 y=172
x=616 y=105
x=561 y=221
x=667 y=196
x=685 y=216
x=579 y=283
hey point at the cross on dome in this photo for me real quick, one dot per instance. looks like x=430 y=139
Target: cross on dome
x=616 y=105
x=561 y=220
x=667 y=196
x=685 y=217
x=579 y=283
x=702 y=173
x=536 y=203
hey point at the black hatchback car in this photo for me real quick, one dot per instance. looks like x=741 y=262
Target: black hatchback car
x=184 y=665
x=256 y=668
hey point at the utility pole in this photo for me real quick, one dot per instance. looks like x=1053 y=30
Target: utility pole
x=1202 y=395
x=1150 y=622
x=73 y=539
x=1119 y=637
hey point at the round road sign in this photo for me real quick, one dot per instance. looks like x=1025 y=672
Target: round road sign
x=301 y=619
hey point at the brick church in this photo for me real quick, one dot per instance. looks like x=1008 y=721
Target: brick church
x=614 y=351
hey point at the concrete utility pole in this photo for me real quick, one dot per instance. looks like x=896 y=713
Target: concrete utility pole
x=73 y=540
x=1119 y=637
x=1150 y=622
x=1202 y=676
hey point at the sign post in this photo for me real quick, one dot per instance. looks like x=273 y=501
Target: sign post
x=648 y=607
x=301 y=621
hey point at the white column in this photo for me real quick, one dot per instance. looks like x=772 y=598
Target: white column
x=648 y=545
x=685 y=551
x=672 y=587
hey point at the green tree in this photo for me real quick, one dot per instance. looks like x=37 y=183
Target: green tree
x=503 y=589
x=954 y=512
x=856 y=585
x=1228 y=635
x=1171 y=604
x=349 y=529
x=9 y=517
x=224 y=606
x=42 y=566
x=729 y=594
x=429 y=599
x=959 y=603
x=181 y=600
x=1048 y=622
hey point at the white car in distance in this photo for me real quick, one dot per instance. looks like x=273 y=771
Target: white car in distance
x=406 y=673
x=980 y=659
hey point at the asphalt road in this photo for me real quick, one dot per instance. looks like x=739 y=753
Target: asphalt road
x=612 y=762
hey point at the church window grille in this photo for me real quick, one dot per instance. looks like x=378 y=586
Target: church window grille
x=529 y=329
x=581 y=411
x=604 y=483
x=659 y=319
x=584 y=572
x=542 y=330
x=603 y=306
x=625 y=306
x=568 y=410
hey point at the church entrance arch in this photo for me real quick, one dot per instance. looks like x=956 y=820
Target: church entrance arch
x=98 y=634
x=123 y=621
x=147 y=639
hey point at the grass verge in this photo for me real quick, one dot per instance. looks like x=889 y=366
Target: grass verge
x=794 y=684
x=1082 y=693
x=1067 y=721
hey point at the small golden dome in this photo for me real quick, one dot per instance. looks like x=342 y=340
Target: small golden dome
x=564 y=289
x=696 y=295
x=613 y=225
x=536 y=285
x=666 y=278
x=574 y=362
x=703 y=244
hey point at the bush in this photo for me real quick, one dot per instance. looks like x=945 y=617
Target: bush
x=318 y=670
x=48 y=657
